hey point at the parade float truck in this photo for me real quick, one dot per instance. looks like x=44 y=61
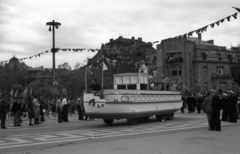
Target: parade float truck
x=131 y=99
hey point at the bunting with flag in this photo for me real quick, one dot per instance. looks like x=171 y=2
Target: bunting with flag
x=238 y=9
x=55 y=50
x=204 y=29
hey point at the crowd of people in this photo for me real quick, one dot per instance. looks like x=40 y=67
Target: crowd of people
x=37 y=108
x=211 y=104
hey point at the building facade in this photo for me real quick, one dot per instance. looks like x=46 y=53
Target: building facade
x=197 y=65
x=123 y=53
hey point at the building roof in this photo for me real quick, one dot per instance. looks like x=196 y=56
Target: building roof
x=197 y=41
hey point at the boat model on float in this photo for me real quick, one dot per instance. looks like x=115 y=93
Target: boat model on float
x=130 y=99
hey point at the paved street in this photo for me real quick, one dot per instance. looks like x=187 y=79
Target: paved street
x=186 y=133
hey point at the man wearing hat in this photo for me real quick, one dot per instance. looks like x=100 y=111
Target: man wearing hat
x=215 y=116
x=4 y=106
x=232 y=100
x=225 y=115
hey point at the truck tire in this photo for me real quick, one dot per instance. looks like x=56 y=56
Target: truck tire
x=108 y=121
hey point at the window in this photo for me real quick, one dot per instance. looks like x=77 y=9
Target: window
x=204 y=70
x=204 y=56
x=132 y=86
x=179 y=72
x=154 y=59
x=220 y=70
x=143 y=87
x=219 y=56
x=139 y=54
x=121 y=87
x=238 y=58
x=173 y=57
x=176 y=71
x=223 y=86
x=230 y=58
x=205 y=86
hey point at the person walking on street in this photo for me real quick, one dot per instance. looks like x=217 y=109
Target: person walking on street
x=30 y=111
x=199 y=100
x=189 y=103
x=79 y=106
x=16 y=109
x=65 y=109
x=4 y=106
x=36 y=105
x=183 y=104
x=207 y=108
x=59 y=109
x=215 y=116
x=41 y=108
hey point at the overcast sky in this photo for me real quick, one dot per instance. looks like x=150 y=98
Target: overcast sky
x=89 y=23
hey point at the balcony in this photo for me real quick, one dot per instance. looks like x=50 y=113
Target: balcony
x=174 y=60
x=224 y=76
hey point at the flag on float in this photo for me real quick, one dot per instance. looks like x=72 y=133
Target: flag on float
x=89 y=71
x=104 y=63
x=104 y=66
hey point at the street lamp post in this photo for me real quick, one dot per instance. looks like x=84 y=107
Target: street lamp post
x=52 y=25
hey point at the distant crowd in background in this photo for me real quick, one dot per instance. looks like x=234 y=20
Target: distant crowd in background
x=211 y=103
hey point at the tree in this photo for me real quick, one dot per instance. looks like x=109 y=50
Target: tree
x=65 y=66
x=13 y=75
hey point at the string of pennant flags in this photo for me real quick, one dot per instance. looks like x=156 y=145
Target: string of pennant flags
x=57 y=49
x=197 y=31
x=204 y=29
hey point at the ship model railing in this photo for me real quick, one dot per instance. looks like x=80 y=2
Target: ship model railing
x=137 y=92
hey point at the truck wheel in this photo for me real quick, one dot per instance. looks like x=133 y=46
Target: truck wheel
x=170 y=116
x=132 y=121
x=161 y=117
x=108 y=121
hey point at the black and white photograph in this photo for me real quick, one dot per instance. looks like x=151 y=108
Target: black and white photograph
x=119 y=76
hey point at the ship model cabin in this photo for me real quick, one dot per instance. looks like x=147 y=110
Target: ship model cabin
x=131 y=81
x=137 y=81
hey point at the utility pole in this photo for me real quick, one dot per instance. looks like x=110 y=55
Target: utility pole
x=52 y=25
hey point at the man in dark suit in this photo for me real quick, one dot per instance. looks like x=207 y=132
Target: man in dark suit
x=215 y=116
x=232 y=100
x=4 y=106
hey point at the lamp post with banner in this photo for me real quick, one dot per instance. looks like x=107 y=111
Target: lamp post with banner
x=52 y=25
